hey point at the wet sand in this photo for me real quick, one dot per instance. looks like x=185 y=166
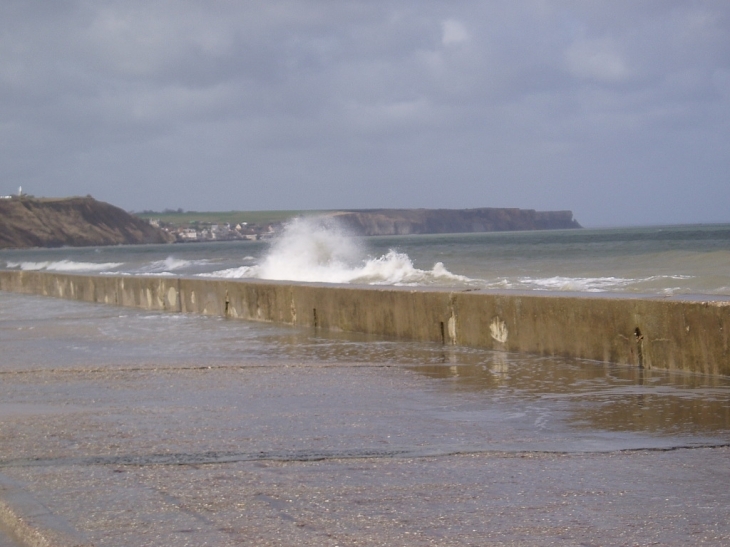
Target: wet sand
x=134 y=428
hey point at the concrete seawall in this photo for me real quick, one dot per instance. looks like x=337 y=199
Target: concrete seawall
x=651 y=332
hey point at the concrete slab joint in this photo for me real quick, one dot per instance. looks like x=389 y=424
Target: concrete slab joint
x=498 y=330
x=451 y=322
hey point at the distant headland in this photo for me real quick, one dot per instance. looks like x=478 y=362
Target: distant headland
x=230 y=225
x=26 y=222
x=381 y=222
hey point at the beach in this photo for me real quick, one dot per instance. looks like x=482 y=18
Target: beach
x=364 y=273
x=124 y=426
x=137 y=428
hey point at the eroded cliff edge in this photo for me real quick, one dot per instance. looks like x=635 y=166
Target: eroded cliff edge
x=78 y=221
x=377 y=222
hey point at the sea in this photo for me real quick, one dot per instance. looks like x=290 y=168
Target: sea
x=184 y=429
x=657 y=260
x=585 y=403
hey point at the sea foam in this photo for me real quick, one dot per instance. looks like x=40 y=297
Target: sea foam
x=168 y=265
x=590 y=284
x=321 y=250
x=64 y=266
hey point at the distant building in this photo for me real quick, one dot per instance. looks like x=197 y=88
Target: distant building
x=189 y=234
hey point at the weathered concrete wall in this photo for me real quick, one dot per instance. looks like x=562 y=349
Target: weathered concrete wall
x=655 y=332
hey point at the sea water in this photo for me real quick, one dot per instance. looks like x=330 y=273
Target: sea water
x=665 y=260
x=548 y=403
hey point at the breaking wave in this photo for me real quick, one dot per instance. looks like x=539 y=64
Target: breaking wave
x=64 y=266
x=651 y=284
x=169 y=265
x=321 y=250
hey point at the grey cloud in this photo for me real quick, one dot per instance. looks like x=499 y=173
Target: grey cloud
x=618 y=110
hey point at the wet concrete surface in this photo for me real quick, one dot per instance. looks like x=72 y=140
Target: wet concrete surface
x=7 y=540
x=675 y=498
x=151 y=429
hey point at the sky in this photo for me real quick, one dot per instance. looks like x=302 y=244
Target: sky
x=618 y=110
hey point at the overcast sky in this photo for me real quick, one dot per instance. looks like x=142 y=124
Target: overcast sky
x=618 y=110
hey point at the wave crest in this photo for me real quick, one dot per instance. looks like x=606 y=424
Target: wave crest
x=321 y=250
x=168 y=265
x=64 y=266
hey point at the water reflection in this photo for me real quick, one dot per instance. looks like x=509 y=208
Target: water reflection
x=597 y=395
x=587 y=395
x=37 y=333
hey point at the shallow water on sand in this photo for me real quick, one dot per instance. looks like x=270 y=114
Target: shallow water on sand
x=139 y=428
x=441 y=399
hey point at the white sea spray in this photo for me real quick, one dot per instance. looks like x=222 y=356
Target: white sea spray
x=322 y=250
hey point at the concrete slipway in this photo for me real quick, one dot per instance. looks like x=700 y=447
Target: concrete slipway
x=101 y=447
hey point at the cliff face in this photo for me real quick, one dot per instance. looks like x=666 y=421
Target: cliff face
x=378 y=222
x=28 y=222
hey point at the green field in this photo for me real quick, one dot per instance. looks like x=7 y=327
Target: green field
x=221 y=217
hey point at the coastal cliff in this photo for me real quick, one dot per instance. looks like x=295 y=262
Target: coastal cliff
x=29 y=222
x=380 y=222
